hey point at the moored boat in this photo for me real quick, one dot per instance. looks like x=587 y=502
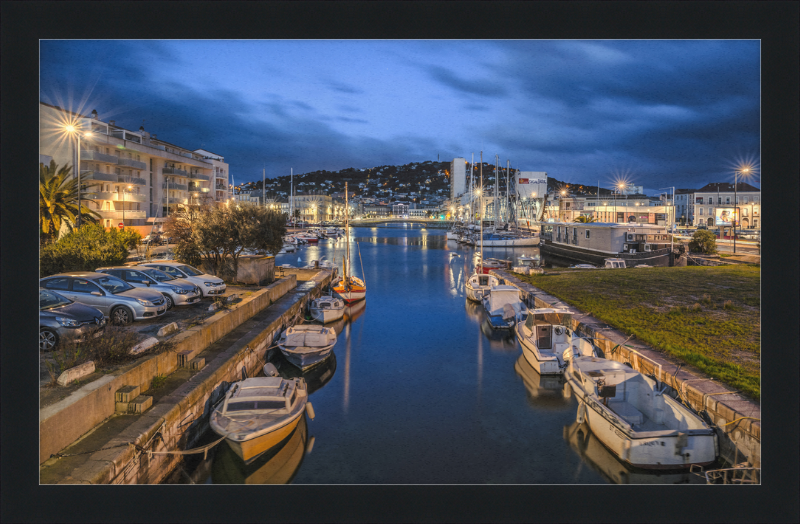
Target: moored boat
x=259 y=413
x=478 y=285
x=307 y=345
x=503 y=306
x=548 y=341
x=326 y=309
x=348 y=287
x=630 y=414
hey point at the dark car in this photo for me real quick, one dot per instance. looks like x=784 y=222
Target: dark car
x=62 y=319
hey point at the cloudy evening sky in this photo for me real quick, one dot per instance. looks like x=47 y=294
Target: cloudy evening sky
x=654 y=113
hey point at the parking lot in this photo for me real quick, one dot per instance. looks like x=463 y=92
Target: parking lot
x=184 y=316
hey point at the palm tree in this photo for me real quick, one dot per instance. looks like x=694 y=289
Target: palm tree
x=58 y=200
x=585 y=219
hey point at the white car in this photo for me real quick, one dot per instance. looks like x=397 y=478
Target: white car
x=209 y=285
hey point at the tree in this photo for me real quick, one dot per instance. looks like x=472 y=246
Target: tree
x=87 y=248
x=585 y=219
x=218 y=236
x=703 y=241
x=58 y=201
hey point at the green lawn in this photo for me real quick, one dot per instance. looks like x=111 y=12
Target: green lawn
x=706 y=316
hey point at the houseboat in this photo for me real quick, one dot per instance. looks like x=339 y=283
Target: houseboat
x=593 y=243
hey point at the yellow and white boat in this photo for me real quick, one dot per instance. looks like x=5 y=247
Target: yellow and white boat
x=259 y=413
x=348 y=287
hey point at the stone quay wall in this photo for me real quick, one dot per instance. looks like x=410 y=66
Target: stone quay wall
x=62 y=423
x=736 y=419
x=176 y=423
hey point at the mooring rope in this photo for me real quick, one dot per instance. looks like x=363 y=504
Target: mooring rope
x=201 y=449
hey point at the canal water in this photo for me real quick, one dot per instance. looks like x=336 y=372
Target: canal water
x=421 y=390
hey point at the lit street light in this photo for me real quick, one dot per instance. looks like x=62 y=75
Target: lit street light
x=76 y=161
x=745 y=171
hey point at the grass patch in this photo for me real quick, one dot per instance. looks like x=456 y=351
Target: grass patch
x=706 y=316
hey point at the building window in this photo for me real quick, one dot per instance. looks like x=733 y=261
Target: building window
x=755 y=199
x=701 y=210
x=587 y=233
x=710 y=200
x=727 y=200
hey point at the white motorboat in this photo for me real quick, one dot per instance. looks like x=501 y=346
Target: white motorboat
x=478 y=285
x=259 y=413
x=614 y=263
x=503 y=306
x=548 y=341
x=326 y=309
x=630 y=414
x=307 y=345
x=582 y=266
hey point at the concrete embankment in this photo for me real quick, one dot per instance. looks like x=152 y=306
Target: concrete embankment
x=138 y=449
x=737 y=419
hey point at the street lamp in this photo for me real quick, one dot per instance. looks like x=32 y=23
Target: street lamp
x=73 y=130
x=563 y=193
x=123 y=206
x=745 y=171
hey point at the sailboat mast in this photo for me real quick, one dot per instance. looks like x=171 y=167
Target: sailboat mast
x=264 y=186
x=346 y=233
x=291 y=195
x=496 y=201
x=480 y=215
x=508 y=194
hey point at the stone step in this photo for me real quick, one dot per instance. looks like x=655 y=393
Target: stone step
x=196 y=364
x=126 y=393
x=140 y=404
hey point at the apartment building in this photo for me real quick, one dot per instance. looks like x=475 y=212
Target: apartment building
x=130 y=177
x=315 y=208
x=701 y=206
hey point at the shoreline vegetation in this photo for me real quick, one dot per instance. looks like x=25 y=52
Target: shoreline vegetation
x=707 y=317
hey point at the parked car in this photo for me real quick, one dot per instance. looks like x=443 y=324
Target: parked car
x=208 y=284
x=61 y=319
x=176 y=291
x=117 y=299
x=152 y=238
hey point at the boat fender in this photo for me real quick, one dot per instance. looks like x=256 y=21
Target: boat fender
x=270 y=370
x=310 y=410
x=310 y=445
x=244 y=373
x=581 y=413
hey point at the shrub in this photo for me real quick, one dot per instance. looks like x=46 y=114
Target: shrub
x=695 y=307
x=703 y=241
x=706 y=299
x=86 y=249
x=727 y=305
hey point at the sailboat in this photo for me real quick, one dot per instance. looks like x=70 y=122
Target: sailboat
x=480 y=284
x=348 y=287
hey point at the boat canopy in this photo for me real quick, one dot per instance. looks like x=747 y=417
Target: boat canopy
x=549 y=316
x=501 y=295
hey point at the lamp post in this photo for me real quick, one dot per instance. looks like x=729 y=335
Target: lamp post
x=744 y=172
x=123 y=206
x=563 y=193
x=76 y=161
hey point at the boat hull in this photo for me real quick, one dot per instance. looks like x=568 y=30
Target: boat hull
x=543 y=366
x=305 y=358
x=659 y=258
x=326 y=315
x=475 y=293
x=512 y=242
x=251 y=449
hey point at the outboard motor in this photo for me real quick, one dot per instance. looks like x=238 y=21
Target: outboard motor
x=270 y=370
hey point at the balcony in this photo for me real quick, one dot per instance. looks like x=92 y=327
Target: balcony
x=112 y=177
x=198 y=176
x=132 y=163
x=117 y=215
x=98 y=157
x=174 y=171
x=176 y=187
x=113 y=195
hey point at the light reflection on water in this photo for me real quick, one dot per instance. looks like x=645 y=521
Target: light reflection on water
x=425 y=391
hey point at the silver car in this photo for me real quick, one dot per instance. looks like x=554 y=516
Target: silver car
x=176 y=291
x=62 y=319
x=208 y=284
x=115 y=298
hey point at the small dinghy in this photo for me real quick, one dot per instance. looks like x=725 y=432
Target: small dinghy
x=326 y=309
x=479 y=285
x=307 y=345
x=259 y=413
x=630 y=414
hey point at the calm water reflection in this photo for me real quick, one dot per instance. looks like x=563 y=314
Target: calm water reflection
x=421 y=390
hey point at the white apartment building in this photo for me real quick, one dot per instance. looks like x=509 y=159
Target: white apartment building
x=699 y=206
x=130 y=178
x=315 y=208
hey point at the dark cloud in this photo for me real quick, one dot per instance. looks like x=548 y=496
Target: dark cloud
x=476 y=86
